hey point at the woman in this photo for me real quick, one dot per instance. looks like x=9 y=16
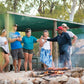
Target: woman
x=46 y=51
x=28 y=45
x=4 y=49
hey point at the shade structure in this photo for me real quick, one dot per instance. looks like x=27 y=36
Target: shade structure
x=36 y=23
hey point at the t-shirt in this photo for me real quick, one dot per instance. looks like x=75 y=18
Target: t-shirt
x=5 y=47
x=16 y=44
x=46 y=44
x=28 y=42
x=71 y=34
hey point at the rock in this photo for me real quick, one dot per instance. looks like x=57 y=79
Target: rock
x=18 y=81
x=54 y=82
x=1 y=81
x=68 y=74
x=44 y=82
x=63 y=78
x=26 y=82
x=28 y=74
x=75 y=74
x=82 y=80
x=77 y=69
x=73 y=81
x=83 y=73
x=37 y=81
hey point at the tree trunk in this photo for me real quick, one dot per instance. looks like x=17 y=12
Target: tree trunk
x=15 y=3
x=73 y=10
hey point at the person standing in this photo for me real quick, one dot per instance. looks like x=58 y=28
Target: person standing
x=72 y=35
x=28 y=45
x=4 y=49
x=46 y=51
x=64 y=42
x=16 y=47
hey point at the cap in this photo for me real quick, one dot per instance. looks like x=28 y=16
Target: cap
x=65 y=25
x=15 y=25
x=28 y=30
x=3 y=30
x=59 y=28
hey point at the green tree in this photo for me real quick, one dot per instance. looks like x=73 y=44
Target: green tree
x=3 y=9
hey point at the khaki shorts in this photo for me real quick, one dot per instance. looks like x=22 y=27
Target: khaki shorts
x=27 y=51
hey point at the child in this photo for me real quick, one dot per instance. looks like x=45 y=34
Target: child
x=4 y=49
x=46 y=51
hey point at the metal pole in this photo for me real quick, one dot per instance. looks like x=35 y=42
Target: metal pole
x=55 y=45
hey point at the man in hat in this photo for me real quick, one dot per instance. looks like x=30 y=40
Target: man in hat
x=72 y=35
x=16 y=47
x=64 y=42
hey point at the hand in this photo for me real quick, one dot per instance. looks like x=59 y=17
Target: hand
x=17 y=39
x=50 y=53
x=5 y=42
x=41 y=37
x=8 y=53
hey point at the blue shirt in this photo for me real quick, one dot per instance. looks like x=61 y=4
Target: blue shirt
x=28 y=42
x=16 y=44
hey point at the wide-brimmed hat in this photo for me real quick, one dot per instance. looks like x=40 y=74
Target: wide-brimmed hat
x=65 y=25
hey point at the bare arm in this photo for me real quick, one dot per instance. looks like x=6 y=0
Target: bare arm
x=51 y=48
x=74 y=39
x=42 y=43
x=12 y=40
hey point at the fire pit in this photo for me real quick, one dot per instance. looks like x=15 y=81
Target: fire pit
x=50 y=76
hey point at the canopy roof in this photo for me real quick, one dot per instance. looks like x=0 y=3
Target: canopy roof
x=36 y=23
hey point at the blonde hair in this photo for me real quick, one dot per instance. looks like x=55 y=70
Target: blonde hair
x=45 y=31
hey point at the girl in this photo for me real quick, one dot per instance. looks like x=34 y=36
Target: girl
x=4 y=49
x=28 y=45
x=46 y=50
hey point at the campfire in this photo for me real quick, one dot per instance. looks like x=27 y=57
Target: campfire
x=52 y=72
x=49 y=76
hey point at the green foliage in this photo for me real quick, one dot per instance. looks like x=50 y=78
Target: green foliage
x=79 y=16
x=3 y=9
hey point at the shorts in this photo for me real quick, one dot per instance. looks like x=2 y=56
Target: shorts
x=2 y=50
x=17 y=54
x=27 y=51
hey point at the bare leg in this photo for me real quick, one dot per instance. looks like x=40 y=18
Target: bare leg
x=1 y=63
x=26 y=60
x=19 y=64
x=30 y=61
x=53 y=64
x=6 y=56
x=45 y=66
x=15 y=65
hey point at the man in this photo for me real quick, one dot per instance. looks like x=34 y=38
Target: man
x=64 y=42
x=16 y=47
x=72 y=35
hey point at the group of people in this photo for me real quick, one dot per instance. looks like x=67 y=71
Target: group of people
x=19 y=52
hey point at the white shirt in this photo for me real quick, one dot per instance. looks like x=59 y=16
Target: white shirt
x=71 y=34
x=46 y=44
x=5 y=47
